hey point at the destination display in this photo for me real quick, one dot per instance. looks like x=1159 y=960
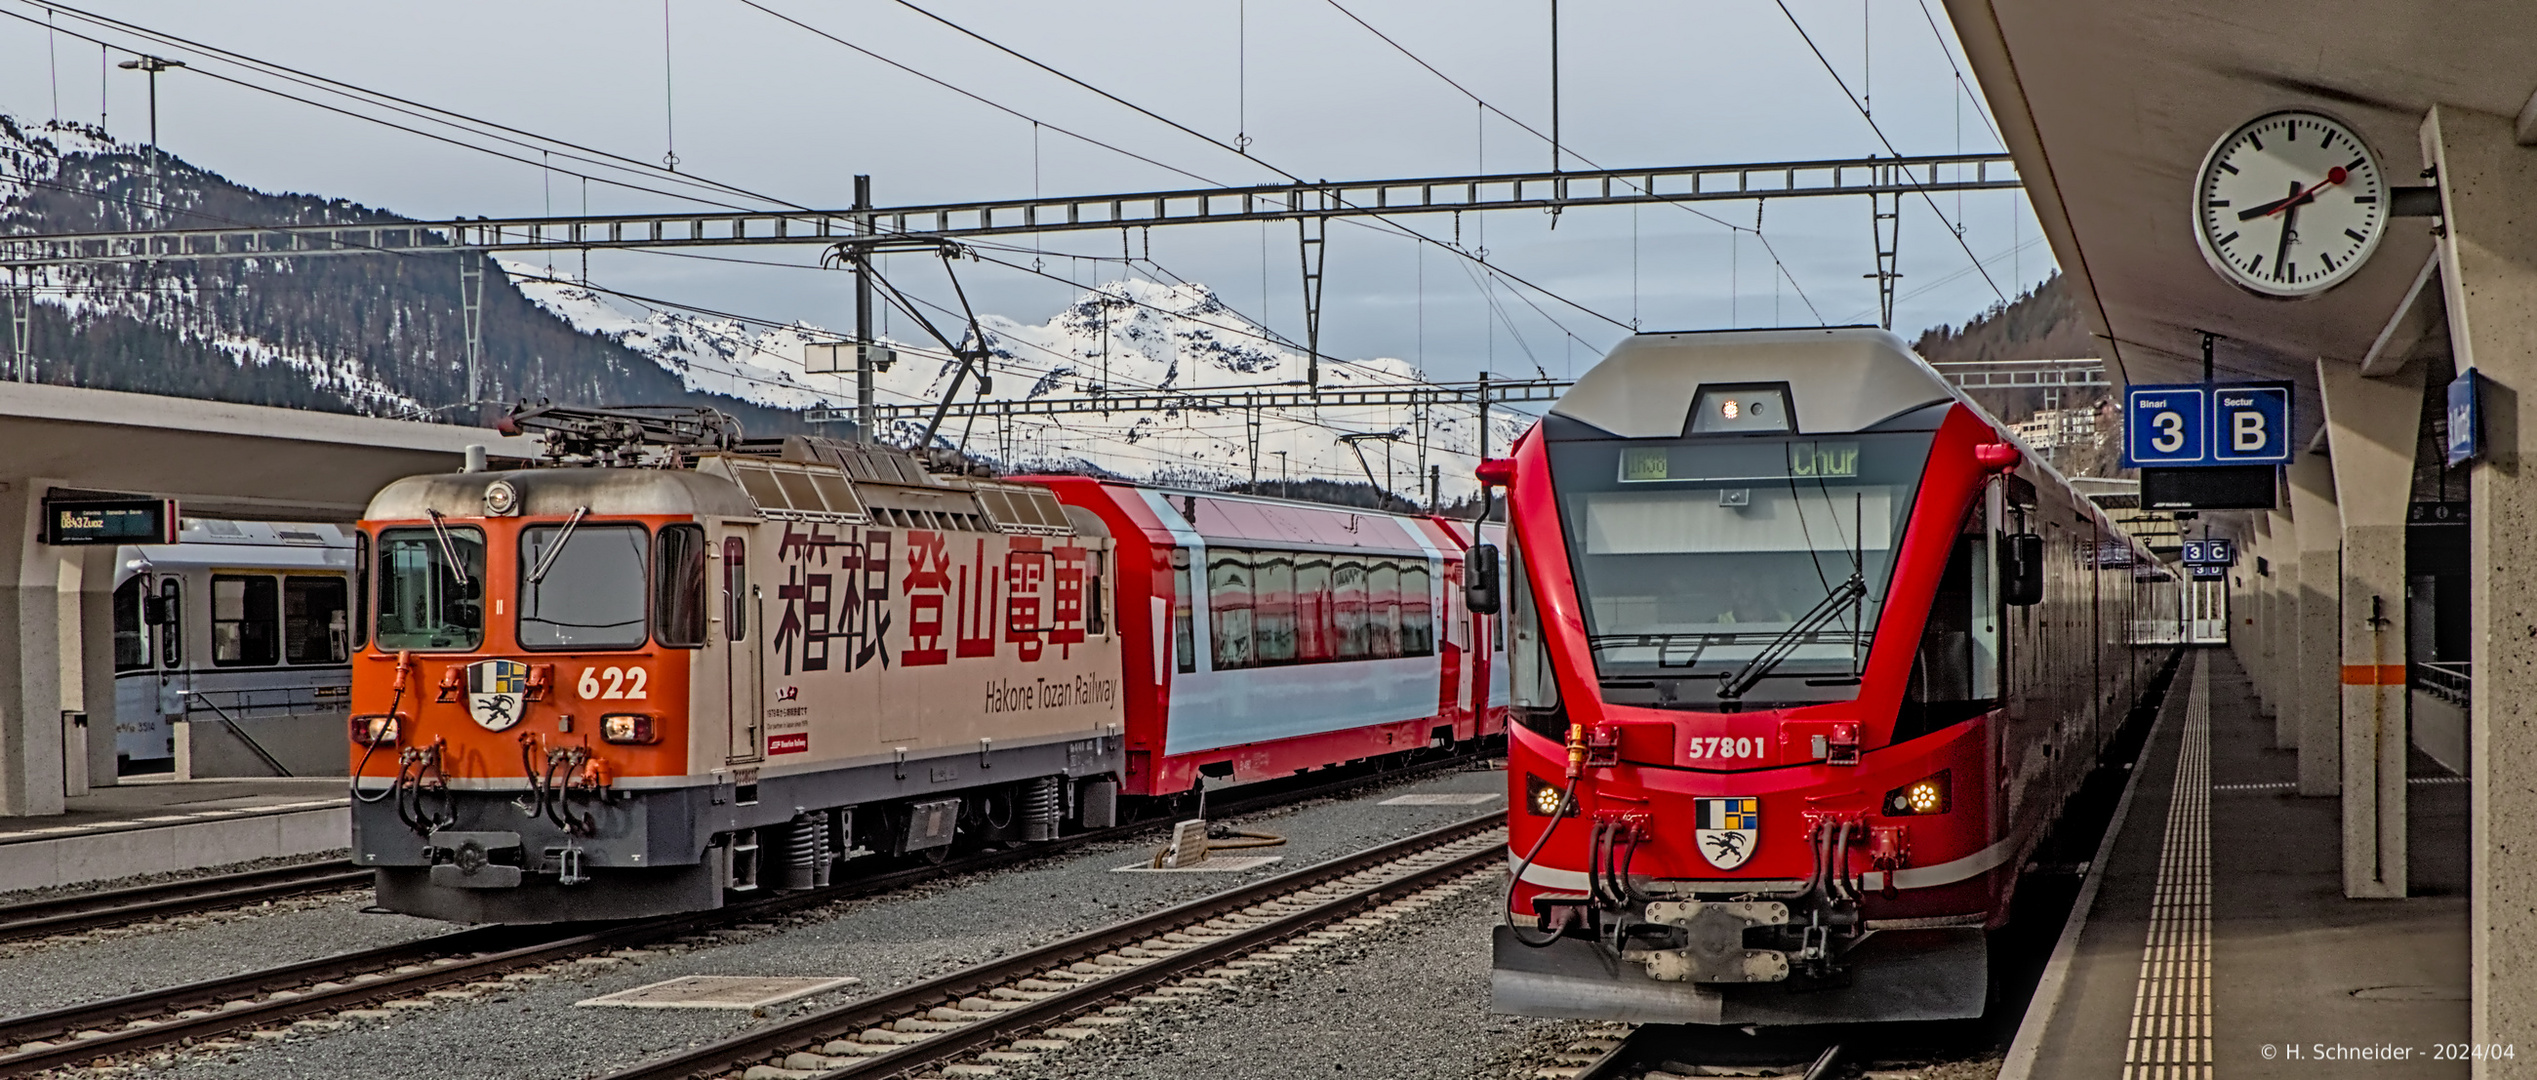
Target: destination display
x=109 y=521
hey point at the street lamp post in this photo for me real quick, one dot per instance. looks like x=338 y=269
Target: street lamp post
x=153 y=65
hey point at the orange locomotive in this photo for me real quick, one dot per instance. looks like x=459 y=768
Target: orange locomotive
x=613 y=691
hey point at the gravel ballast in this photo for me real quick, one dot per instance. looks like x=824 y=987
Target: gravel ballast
x=1409 y=1001
x=532 y=1029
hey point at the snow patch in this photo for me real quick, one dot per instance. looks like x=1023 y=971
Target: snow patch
x=1123 y=337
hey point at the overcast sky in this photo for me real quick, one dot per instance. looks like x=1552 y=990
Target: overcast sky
x=770 y=107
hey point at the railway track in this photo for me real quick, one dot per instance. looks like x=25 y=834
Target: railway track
x=1655 y=1052
x=116 y=1027
x=119 y=907
x=991 y=1010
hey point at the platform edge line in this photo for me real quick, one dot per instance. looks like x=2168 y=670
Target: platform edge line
x=2022 y=1050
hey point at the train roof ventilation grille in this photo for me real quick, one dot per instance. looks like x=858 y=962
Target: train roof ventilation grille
x=1028 y=510
x=795 y=492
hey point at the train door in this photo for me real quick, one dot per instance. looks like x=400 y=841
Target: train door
x=1478 y=653
x=744 y=663
x=169 y=624
x=1455 y=653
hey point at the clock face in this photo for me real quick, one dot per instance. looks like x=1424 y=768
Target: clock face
x=2289 y=204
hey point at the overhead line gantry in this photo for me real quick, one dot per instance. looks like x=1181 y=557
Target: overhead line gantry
x=859 y=231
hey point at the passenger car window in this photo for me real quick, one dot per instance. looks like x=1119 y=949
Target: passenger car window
x=678 y=587
x=246 y=618
x=132 y=639
x=316 y=620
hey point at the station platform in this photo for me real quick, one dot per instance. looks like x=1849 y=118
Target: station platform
x=147 y=825
x=2212 y=935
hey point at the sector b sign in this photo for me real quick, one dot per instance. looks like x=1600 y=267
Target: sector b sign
x=2197 y=424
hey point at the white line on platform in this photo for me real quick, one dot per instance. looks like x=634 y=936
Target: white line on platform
x=2020 y=1063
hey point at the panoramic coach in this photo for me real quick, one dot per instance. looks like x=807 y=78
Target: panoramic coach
x=1807 y=654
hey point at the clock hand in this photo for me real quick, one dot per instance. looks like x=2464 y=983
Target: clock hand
x=2290 y=222
x=2334 y=176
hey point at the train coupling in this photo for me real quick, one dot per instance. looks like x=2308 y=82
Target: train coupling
x=475 y=859
x=1714 y=949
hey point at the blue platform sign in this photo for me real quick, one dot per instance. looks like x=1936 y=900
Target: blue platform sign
x=2209 y=553
x=2188 y=424
x=2466 y=428
x=2165 y=425
x=2250 y=425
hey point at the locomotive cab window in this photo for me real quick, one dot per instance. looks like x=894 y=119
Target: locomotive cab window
x=582 y=586
x=1693 y=557
x=1955 y=672
x=431 y=592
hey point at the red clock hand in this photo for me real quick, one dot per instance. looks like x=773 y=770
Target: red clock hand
x=2334 y=176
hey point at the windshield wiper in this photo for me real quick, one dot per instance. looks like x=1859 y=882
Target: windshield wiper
x=1732 y=686
x=548 y=562
x=449 y=549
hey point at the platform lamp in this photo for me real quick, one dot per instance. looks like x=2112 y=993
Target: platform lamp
x=153 y=65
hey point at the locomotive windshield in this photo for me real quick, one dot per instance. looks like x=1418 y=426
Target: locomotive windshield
x=581 y=586
x=431 y=589
x=1693 y=556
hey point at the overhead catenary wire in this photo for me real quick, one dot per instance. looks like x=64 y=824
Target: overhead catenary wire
x=431 y=135
x=1952 y=231
x=1381 y=221
x=1570 y=151
x=406 y=106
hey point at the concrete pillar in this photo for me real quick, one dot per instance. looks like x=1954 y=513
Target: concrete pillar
x=2246 y=608
x=33 y=664
x=2488 y=277
x=2372 y=425
x=2310 y=685
x=97 y=662
x=2280 y=589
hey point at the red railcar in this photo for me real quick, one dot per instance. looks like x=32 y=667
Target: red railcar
x=1807 y=654
x=1288 y=636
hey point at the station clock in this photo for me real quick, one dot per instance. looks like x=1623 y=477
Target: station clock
x=2289 y=204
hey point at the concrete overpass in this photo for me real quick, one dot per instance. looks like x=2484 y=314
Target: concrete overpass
x=2109 y=110
x=218 y=460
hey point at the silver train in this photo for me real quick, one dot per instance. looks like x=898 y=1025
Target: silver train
x=238 y=624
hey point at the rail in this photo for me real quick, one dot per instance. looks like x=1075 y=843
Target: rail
x=1449 y=852
x=2452 y=681
x=204 y=697
x=84 y=1033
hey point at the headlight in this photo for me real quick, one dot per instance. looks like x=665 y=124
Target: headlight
x=1542 y=799
x=501 y=499
x=627 y=728
x=1925 y=796
x=376 y=729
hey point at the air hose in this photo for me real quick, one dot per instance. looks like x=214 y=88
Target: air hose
x=1565 y=795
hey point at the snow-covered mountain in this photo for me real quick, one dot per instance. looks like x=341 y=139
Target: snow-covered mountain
x=1129 y=336
x=383 y=336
